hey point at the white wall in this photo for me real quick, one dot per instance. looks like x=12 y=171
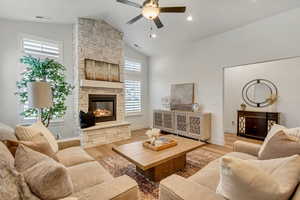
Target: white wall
x=140 y=121
x=203 y=61
x=10 y=34
x=276 y=71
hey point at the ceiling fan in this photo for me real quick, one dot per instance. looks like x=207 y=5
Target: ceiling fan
x=151 y=11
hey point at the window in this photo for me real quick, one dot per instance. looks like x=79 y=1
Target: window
x=133 y=85
x=40 y=48
x=133 y=96
x=132 y=66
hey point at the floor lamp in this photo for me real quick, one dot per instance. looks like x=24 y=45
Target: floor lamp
x=40 y=96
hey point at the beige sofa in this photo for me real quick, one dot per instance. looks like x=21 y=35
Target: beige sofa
x=90 y=180
x=203 y=185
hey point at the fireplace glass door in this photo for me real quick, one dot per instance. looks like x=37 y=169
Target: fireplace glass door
x=103 y=107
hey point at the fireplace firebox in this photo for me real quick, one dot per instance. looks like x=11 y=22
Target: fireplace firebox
x=103 y=107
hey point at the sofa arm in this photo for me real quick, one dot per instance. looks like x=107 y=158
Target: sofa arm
x=178 y=188
x=246 y=147
x=66 y=143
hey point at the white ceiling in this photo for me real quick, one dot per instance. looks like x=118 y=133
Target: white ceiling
x=210 y=17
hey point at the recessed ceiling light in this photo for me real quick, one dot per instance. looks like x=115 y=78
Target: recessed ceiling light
x=189 y=18
x=136 y=46
x=42 y=17
x=153 y=35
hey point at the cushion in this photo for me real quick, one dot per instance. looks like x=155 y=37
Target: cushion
x=13 y=185
x=73 y=156
x=280 y=145
x=93 y=172
x=46 y=178
x=7 y=133
x=5 y=156
x=293 y=132
x=121 y=188
x=247 y=179
x=176 y=187
x=37 y=143
x=274 y=129
x=26 y=133
x=26 y=158
x=211 y=171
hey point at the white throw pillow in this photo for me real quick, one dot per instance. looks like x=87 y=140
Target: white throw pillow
x=258 y=179
x=295 y=132
x=26 y=133
x=275 y=128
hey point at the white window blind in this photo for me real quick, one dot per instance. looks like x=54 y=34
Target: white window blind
x=133 y=96
x=132 y=66
x=41 y=48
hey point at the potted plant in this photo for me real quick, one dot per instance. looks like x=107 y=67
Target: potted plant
x=53 y=73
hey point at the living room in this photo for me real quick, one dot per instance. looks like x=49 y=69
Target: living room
x=116 y=106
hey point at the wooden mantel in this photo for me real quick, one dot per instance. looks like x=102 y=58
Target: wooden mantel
x=101 y=84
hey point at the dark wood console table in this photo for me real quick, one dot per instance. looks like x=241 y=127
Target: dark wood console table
x=256 y=124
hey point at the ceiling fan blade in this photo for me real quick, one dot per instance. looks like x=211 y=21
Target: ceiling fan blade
x=158 y=22
x=130 y=3
x=135 y=19
x=172 y=9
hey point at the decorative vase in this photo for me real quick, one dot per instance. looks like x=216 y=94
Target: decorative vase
x=196 y=107
x=153 y=134
x=152 y=141
x=243 y=107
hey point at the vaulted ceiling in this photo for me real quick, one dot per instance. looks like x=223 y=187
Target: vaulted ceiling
x=209 y=17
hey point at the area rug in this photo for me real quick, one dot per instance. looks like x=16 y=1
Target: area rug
x=119 y=166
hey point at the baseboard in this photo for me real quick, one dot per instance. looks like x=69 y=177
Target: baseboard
x=216 y=141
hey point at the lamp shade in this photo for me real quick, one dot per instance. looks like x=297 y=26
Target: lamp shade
x=39 y=95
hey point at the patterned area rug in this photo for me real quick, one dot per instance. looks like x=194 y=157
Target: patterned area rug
x=119 y=166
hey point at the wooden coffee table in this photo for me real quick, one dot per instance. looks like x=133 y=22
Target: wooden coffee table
x=157 y=165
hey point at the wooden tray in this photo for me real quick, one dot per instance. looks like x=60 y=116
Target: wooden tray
x=147 y=144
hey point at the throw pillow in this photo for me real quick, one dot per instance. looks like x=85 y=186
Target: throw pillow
x=293 y=132
x=37 y=143
x=258 y=179
x=12 y=183
x=26 y=133
x=5 y=156
x=25 y=158
x=7 y=133
x=280 y=145
x=46 y=178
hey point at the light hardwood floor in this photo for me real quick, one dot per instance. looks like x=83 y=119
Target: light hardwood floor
x=106 y=150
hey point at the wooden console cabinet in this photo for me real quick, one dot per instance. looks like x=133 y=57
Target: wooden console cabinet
x=194 y=125
x=256 y=125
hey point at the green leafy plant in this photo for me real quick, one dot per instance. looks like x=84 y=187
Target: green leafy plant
x=52 y=72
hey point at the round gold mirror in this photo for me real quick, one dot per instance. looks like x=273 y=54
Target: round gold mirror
x=259 y=93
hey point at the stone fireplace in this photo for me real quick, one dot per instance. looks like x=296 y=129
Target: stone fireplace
x=103 y=107
x=99 y=61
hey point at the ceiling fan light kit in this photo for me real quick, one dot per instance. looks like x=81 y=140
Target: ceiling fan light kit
x=151 y=11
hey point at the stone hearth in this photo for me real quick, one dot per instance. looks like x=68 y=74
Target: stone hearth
x=99 y=41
